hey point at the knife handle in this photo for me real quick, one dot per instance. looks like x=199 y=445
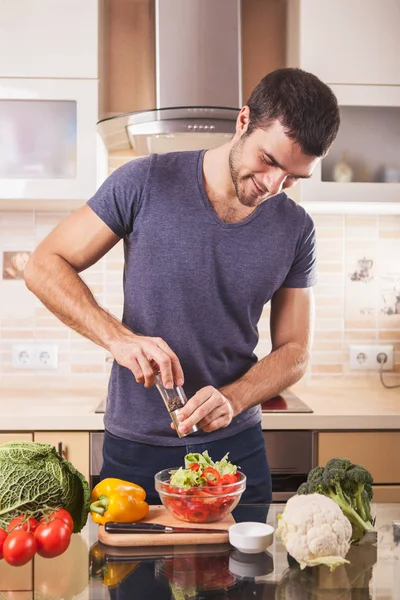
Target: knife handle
x=112 y=527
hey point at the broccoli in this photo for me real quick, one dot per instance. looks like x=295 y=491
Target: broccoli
x=349 y=485
x=356 y=479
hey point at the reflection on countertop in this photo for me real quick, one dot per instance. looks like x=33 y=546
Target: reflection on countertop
x=92 y=571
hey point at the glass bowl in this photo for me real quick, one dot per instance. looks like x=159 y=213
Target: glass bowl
x=203 y=504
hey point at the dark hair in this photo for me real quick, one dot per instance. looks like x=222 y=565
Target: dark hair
x=305 y=106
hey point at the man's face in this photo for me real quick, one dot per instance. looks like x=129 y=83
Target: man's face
x=265 y=162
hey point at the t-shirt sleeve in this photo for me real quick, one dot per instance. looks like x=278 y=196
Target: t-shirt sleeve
x=118 y=200
x=303 y=272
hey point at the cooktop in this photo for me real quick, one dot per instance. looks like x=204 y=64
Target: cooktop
x=286 y=402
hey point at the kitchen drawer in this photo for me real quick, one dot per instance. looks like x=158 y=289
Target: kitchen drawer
x=18 y=579
x=17 y=595
x=376 y=451
x=14 y=437
x=386 y=493
x=74 y=446
x=65 y=576
x=12 y=595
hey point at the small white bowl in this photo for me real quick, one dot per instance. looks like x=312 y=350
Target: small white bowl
x=251 y=537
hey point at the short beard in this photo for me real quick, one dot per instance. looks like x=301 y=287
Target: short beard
x=234 y=162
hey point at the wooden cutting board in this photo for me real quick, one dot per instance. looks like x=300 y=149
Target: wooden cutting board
x=159 y=514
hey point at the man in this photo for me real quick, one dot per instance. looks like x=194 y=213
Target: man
x=209 y=238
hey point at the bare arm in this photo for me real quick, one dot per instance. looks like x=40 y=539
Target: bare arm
x=52 y=274
x=292 y=311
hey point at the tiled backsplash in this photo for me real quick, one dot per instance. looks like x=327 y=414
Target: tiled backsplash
x=357 y=297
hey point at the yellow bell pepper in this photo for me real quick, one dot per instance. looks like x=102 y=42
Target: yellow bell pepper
x=109 y=572
x=118 y=500
x=116 y=572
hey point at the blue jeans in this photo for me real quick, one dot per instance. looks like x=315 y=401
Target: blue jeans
x=137 y=462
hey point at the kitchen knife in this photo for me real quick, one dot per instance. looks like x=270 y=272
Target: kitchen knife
x=112 y=527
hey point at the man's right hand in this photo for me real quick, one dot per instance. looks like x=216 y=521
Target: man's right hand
x=144 y=356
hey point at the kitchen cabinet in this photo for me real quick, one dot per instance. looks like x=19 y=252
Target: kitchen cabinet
x=47 y=39
x=17 y=579
x=72 y=445
x=68 y=575
x=13 y=437
x=361 y=172
x=16 y=595
x=48 y=142
x=10 y=577
x=345 y=42
x=375 y=450
x=386 y=493
x=75 y=448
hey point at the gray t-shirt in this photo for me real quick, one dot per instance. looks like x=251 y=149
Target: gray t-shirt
x=195 y=281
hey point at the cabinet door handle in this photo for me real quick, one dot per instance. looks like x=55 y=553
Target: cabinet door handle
x=60 y=449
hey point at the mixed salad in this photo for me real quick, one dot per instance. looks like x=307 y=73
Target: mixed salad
x=201 y=470
x=203 y=490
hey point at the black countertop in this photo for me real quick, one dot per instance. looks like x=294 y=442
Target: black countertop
x=90 y=571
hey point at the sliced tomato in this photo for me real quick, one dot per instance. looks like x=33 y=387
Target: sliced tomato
x=176 y=490
x=177 y=507
x=228 y=478
x=211 y=475
x=214 y=490
x=194 y=466
x=198 y=514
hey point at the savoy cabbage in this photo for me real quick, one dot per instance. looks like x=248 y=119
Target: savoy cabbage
x=34 y=480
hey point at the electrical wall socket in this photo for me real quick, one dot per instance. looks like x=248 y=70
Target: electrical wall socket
x=35 y=356
x=365 y=358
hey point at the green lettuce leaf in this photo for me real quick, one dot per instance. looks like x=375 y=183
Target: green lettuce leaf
x=203 y=459
x=186 y=478
x=225 y=467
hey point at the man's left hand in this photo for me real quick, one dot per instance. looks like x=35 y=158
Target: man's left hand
x=208 y=409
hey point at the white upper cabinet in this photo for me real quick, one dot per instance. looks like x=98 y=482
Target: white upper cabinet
x=48 y=140
x=354 y=47
x=49 y=38
x=361 y=172
x=346 y=41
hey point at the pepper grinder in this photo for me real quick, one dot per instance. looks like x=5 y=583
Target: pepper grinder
x=174 y=399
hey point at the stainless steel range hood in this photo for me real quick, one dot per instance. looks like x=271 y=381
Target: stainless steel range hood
x=198 y=81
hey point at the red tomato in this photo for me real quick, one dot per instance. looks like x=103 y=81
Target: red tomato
x=3 y=535
x=29 y=525
x=19 y=547
x=62 y=514
x=194 y=466
x=228 y=478
x=52 y=538
x=211 y=475
x=215 y=490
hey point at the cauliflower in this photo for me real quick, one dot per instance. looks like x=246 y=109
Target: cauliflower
x=314 y=531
